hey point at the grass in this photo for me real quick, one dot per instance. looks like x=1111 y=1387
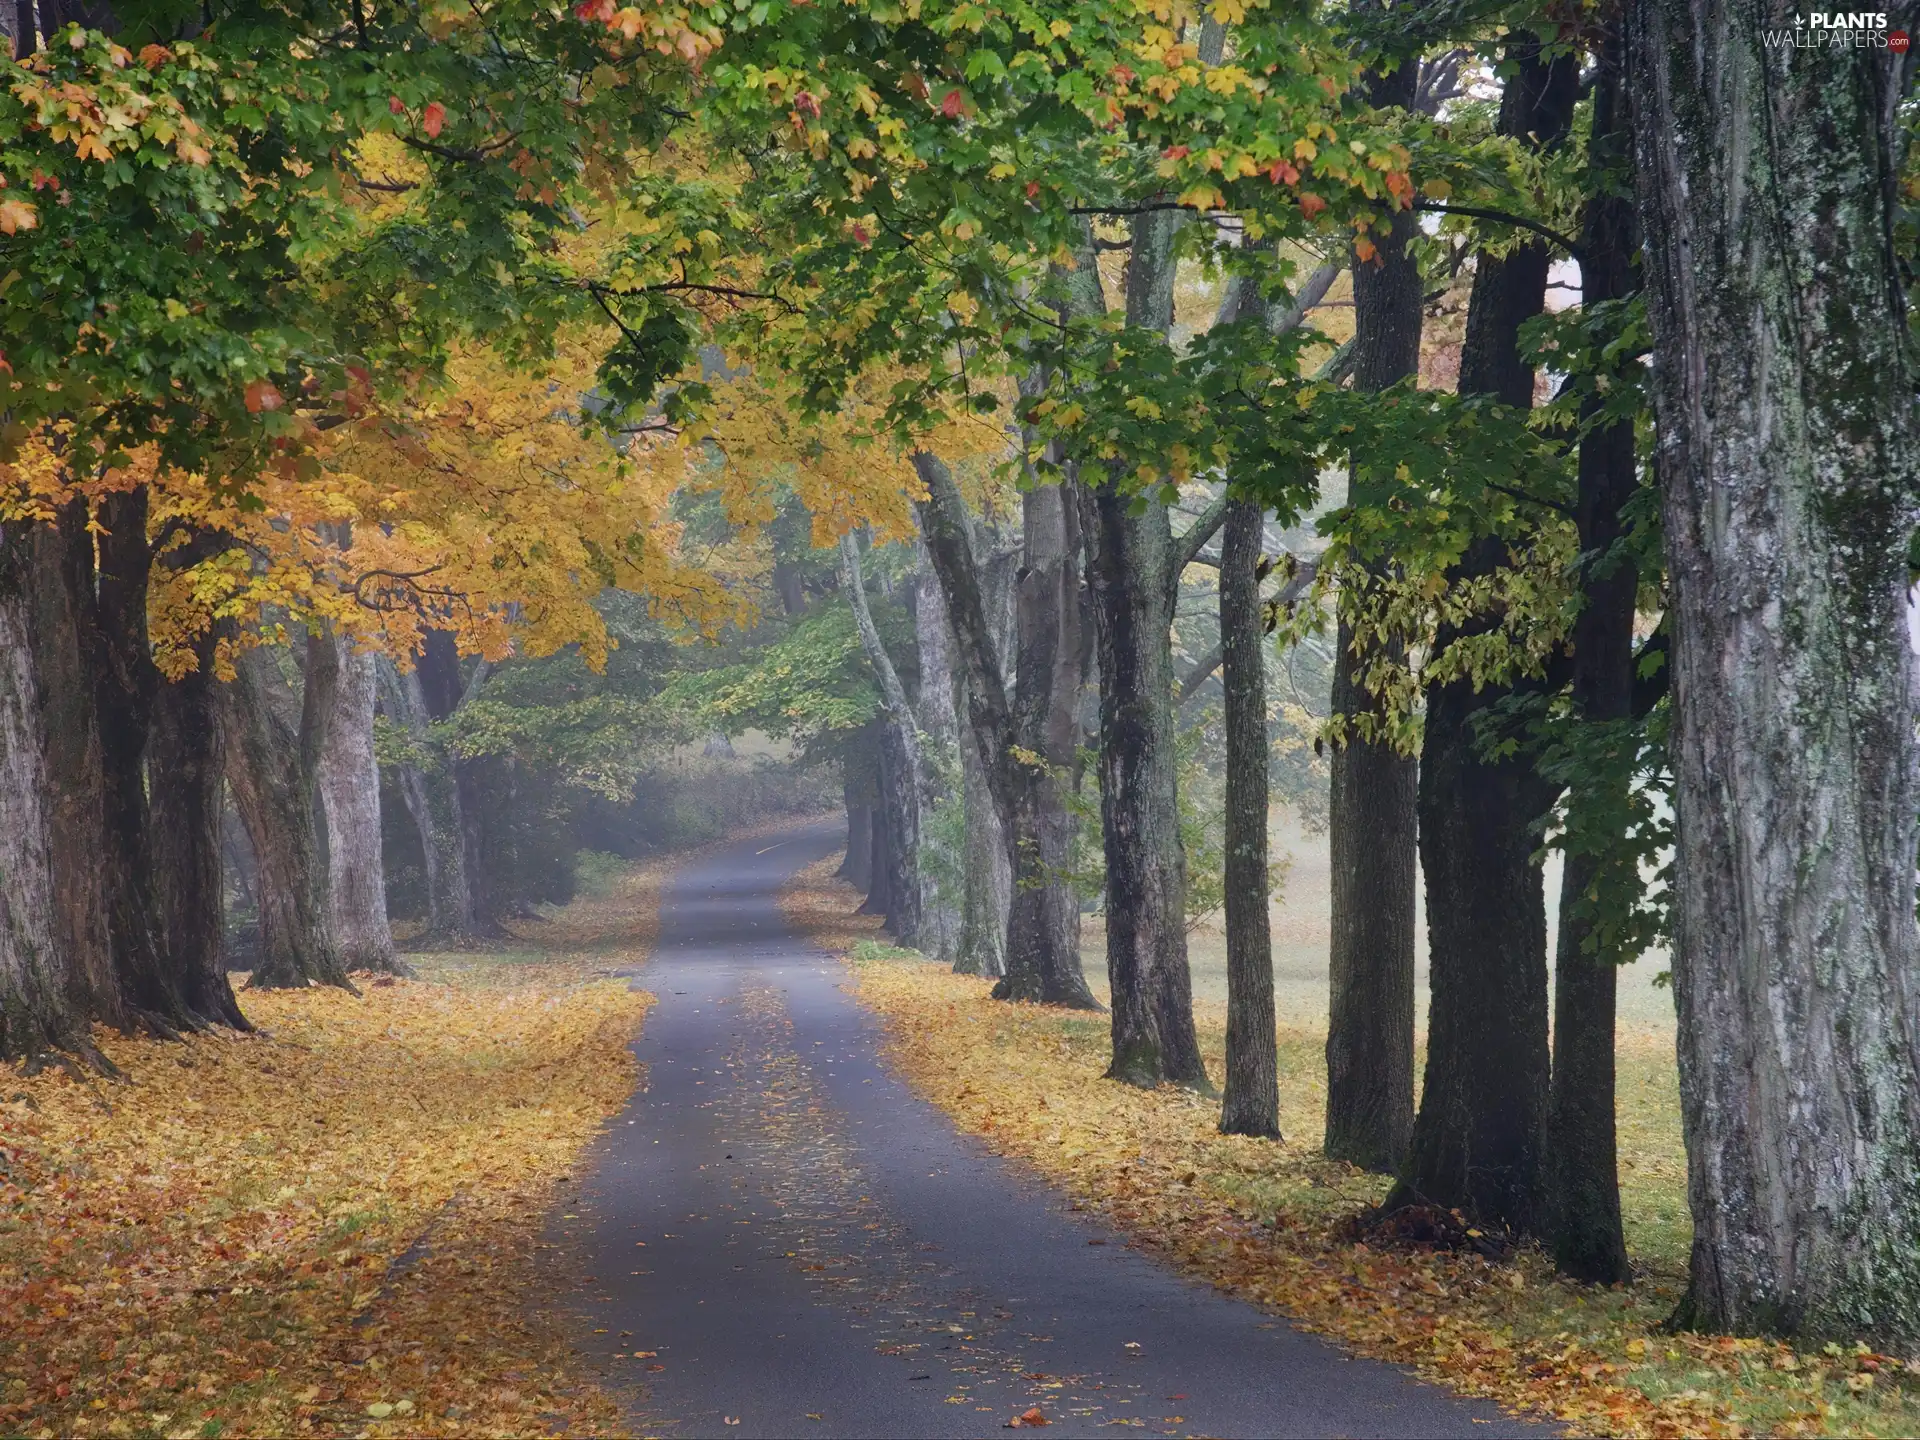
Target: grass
x=332 y=1227
x=1259 y=1219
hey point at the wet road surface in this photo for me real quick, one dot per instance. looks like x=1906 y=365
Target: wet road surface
x=795 y=1245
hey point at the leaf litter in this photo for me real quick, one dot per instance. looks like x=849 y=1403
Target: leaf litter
x=333 y=1227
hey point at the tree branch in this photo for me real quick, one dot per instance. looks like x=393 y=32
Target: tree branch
x=1189 y=544
x=1572 y=247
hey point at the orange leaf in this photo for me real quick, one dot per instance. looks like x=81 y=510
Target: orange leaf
x=17 y=215
x=432 y=118
x=1363 y=250
x=1311 y=204
x=261 y=395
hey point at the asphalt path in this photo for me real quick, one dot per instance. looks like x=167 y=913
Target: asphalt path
x=777 y=1238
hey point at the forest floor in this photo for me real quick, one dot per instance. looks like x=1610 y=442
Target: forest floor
x=332 y=1226
x=1263 y=1220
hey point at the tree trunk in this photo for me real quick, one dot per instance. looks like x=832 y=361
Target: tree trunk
x=859 y=839
x=433 y=804
x=1153 y=1035
x=941 y=866
x=989 y=896
x=1583 y=1183
x=127 y=683
x=66 y=648
x=1788 y=465
x=880 y=870
x=989 y=889
x=125 y=688
x=270 y=767
x=37 y=1014
x=184 y=778
x=349 y=780
x=1252 y=1102
x=1132 y=575
x=1479 y=1136
x=463 y=816
x=1043 y=919
x=901 y=785
x=1371 y=799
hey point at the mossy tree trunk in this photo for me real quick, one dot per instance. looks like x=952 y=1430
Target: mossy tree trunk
x=1790 y=475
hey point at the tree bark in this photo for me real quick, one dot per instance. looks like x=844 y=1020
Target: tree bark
x=270 y=765
x=880 y=868
x=184 y=777
x=1251 y=1105
x=66 y=649
x=433 y=804
x=859 y=839
x=1790 y=489
x=1025 y=748
x=901 y=786
x=1371 y=820
x=1133 y=572
x=1479 y=1137
x=126 y=685
x=445 y=692
x=1583 y=1182
x=37 y=1013
x=349 y=780
x=941 y=865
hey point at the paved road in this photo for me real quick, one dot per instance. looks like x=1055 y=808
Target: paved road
x=807 y=1249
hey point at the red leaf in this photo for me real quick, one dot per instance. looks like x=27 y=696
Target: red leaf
x=951 y=106
x=805 y=103
x=1033 y=188
x=396 y=105
x=1311 y=204
x=1280 y=171
x=432 y=118
x=1177 y=152
x=860 y=234
x=261 y=395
